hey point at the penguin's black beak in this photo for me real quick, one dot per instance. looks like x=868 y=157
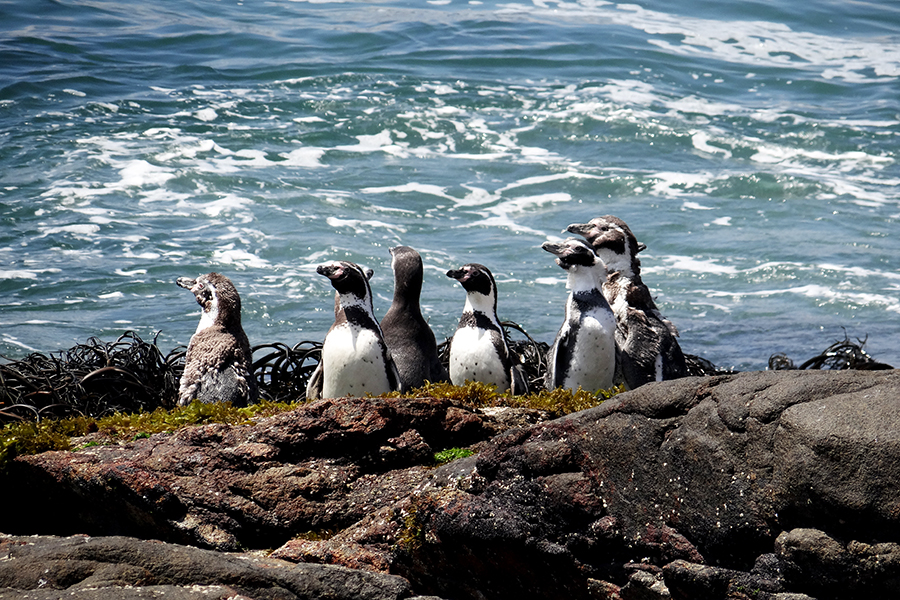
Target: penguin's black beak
x=186 y=282
x=561 y=250
x=458 y=274
x=579 y=228
x=331 y=270
x=554 y=248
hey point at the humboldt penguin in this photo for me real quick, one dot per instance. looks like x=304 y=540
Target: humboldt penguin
x=648 y=350
x=355 y=360
x=218 y=363
x=584 y=351
x=406 y=332
x=478 y=349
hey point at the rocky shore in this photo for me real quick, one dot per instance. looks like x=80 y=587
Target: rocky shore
x=770 y=485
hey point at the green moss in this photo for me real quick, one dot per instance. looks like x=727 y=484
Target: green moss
x=473 y=394
x=411 y=537
x=561 y=401
x=451 y=454
x=17 y=439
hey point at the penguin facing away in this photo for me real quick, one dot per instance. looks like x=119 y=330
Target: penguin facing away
x=646 y=340
x=584 y=351
x=218 y=363
x=355 y=359
x=407 y=334
x=478 y=349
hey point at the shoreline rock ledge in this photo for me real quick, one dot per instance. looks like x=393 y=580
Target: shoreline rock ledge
x=776 y=485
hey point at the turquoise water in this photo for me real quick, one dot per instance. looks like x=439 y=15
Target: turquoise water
x=753 y=146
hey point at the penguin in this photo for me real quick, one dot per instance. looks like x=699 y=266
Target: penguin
x=218 y=363
x=355 y=360
x=584 y=351
x=478 y=349
x=648 y=350
x=407 y=334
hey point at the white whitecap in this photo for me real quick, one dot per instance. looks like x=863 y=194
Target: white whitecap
x=138 y=173
x=363 y=224
x=239 y=258
x=18 y=274
x=412 y=187
x=700 y=141
x=206 y=114
x=79 y=230
x=304 y=157
x=380 y=142
x=693 y=265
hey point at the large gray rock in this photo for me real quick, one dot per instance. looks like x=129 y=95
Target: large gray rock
x=704 y=471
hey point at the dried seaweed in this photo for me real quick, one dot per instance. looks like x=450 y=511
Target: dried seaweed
x=130 y=375
x=282 y=374
x=697 y=366
x=94 y=378
x=839 y=356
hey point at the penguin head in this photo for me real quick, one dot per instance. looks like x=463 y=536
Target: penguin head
x=479 y=284
x=218 y=299
x=347 y=278
x=475 y=278
x=408 y=271
x=571 y=253
x=613 y=241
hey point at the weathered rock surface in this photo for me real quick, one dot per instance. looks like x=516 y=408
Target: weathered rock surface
x=771 y=485
x=704 y=471
x=320 y=468
x=82 y=567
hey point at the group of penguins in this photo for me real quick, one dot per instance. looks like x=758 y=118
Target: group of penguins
x=613 y=332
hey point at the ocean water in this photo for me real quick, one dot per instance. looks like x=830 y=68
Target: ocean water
x=751 y=145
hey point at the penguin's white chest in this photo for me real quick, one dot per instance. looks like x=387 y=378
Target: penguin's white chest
x=592 y=359
x=353 y=363
x=474 y=356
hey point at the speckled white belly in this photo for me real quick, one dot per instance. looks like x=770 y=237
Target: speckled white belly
x=353 y=363
x=593 y=360
x=474 y=357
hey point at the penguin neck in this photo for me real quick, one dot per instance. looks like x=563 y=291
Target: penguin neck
x=486 y=305
x=208 y=318
x=407 y=293
x=622 y=264
x=351 y=302
x=582 y=279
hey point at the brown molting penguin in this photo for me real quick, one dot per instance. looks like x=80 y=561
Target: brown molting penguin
x=648 y=350
x=218 y=363
x=406 y=332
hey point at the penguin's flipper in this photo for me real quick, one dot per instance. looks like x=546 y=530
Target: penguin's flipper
x=314 y=385
x=393 y=374
x=563 y=357
x=517 y=377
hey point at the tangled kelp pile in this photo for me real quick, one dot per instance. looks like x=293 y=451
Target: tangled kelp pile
x=131 y=375
x=841 y=355
x=94 y=378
